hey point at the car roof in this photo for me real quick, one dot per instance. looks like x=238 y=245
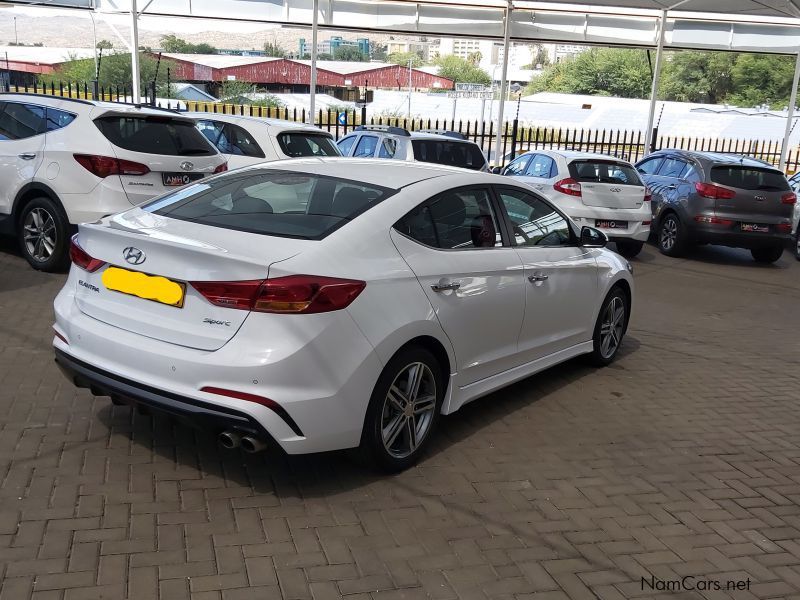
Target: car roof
x=717 y=158
x=571 y=155
x=118 y=107
x=277 y=123
x=380 y=172
x=418 y=135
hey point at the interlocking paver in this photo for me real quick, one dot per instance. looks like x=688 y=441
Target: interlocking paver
x=680 y=459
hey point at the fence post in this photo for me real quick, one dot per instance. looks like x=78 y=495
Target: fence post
x=653 y=141
x=514 y=128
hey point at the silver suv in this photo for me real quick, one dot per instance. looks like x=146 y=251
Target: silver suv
x=433 y=146
x=725 y=199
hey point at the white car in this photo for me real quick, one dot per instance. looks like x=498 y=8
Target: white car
x=246 y=141
x=593 y=189
x=794 y=182
x=65 y=161
x=387 y=294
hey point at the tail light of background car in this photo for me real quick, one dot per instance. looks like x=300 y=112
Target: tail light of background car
x=81 y=258
x=715 y=192
x=221 y=169
x=784 y=227
x=293 y=294
x=103 y=166
x=568 y=186
x=789 y=198
x=648 y=195
x=712 y=220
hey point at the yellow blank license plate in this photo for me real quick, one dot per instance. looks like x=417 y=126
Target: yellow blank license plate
x=149 y=287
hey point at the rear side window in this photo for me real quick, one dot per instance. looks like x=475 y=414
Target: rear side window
x=366 y=146
x=345 y=144
x=649 y=166
x=601 y=171
x=749 y=178
x=20 y=121
x=444 y=152
x=155 y=135
x=541 y=166
x=56 y=119
x=307 y=144
x=388 y=148
x=272 y=202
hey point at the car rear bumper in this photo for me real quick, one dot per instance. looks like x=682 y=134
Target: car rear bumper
x=636 y=230
x=739 y=239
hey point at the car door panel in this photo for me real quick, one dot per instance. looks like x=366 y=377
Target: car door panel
x=22 y=137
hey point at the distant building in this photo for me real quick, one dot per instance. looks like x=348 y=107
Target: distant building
x=231 y=52
x=557 y=52
x=334 y=43
x=403 y=46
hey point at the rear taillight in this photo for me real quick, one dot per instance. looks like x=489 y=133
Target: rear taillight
x=81 y=258
x=715 y=192
x=103 y=166
x=784 y=227
x=568 y=186
x=294 y=294
x=648 y=195
x=712 y=220
x=222 y=168
x=789 y=198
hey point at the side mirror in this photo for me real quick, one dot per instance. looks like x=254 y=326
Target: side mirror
x=593 y=238
x=497 y=170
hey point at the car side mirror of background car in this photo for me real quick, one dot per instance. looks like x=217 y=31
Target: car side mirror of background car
x=593 y=238
x=497 y=170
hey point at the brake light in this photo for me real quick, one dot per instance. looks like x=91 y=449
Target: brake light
x=239 y=395
x=648 y=195
x=712 y=220
x=294 y=294
x=715 y=192
x=103 y=166
x=221 y=169
x=784 y=227
x=568 y=186
x=789 y=198
x=81 y=258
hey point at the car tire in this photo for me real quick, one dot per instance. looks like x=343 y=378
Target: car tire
x=43 y=233
x=767 y=254
x=395 y=435
x=629 y=248
x=612 y=323
x=672 y=237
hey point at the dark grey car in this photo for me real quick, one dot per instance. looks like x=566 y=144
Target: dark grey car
x=710 y=198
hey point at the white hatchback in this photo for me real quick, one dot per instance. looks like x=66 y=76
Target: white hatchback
x=65 y=161
x=593 y=189
x=385 y=294
x=246 y=141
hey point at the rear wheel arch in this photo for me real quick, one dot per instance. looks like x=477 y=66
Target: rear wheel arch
x=29 y=192
x=626 y=289
x=435 y=347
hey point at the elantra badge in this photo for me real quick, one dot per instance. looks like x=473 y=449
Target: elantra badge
x=133 y=255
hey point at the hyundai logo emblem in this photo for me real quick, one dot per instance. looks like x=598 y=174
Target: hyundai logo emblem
x=187 y=165
x=133 y=255
x=615 y=190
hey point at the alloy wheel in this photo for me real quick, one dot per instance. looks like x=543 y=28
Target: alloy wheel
x=39 y=231
x=408 y=410
x=612 y=327
x=669 y=233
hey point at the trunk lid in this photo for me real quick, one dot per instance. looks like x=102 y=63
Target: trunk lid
x=608 y=183
x=179 y=251
x=758 y=194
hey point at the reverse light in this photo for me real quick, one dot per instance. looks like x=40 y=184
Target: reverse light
x=293 y=294
x=103 y=166
x=81 y=258
x=712 y=220
x=568 y=186
x=789 y=198
x=221 y=168
x=715 y=192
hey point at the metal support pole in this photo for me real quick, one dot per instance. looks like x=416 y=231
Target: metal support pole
x=313 y=87
x=651 y=115
x=409 y=89
x=506 y=43
x=790 y=113
x=135 y=75
x=453 y=117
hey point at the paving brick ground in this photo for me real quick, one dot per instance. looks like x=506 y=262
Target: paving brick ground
x=680 y=460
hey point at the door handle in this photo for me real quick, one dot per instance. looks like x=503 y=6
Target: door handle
x=672 y=186
x=27 y=155
x=445 y=285
x=538 y=277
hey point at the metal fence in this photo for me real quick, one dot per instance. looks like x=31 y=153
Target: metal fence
x=515 y=137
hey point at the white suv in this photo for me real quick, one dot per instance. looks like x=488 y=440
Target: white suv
x=245 y=141
x=66 y=161
x=428 y=145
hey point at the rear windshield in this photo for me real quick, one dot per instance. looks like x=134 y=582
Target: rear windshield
x=307 y=144
x=155 y=135
x=272 y=202
x=454 y=154
x=604 y=171
x=749 y=178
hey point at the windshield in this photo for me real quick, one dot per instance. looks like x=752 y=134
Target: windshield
x=749 y=178
x=155 y=135
x=307 y=144
x=604 y=171
x=445 y=152
x=272 y=202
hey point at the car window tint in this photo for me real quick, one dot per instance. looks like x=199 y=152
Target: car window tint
x=603 y=171
x=649 y=166
x=366 y=146
x=672 y=167
x=749 y=178
x=345 y=144
x=296 y=144
x=272 y=202
x=690 y=173
x=388 y=148
x=445 y=152
x=540 y=166
x=535 y=222
x=20 y=121
x=56 y=119
x=155 y=135
x=239 y=142
x=517 y=167
x=212 y=130
x=454 y=220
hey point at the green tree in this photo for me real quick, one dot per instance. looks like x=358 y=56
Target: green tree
x=273 y=49
x=694 y=76
x=377 y=51
x=172 y=43
x=402 y=58
x=539 y=57
x=761 y=79
x=104 y=45
x=461 y=70
x=349 y=53
x=115 y=70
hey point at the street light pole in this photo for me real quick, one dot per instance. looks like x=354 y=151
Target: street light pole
x=409 y=88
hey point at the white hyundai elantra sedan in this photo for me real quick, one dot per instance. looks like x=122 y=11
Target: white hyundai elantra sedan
x=334 y=303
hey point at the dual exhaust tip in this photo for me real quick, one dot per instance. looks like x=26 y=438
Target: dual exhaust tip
x=233 y=439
